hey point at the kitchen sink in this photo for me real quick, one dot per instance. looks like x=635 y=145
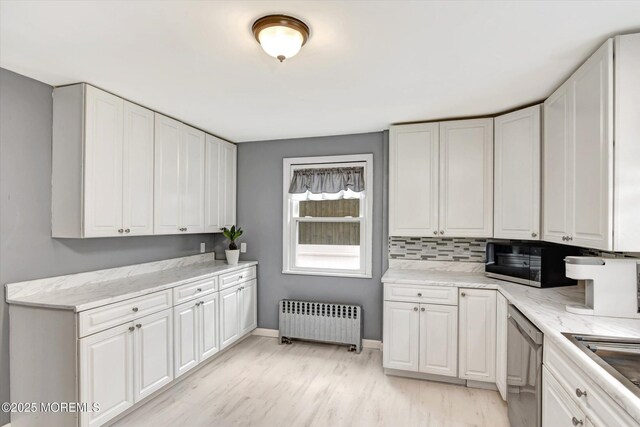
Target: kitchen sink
x=618 y=356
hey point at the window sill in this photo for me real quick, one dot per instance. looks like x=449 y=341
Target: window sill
x=329 y=274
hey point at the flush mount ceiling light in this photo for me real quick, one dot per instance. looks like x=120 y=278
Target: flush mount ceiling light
x=281 y=36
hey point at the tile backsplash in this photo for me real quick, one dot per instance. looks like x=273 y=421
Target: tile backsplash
x=437 y=249
x=460 y=249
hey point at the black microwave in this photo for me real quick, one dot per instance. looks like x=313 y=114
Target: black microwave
x=529 y=263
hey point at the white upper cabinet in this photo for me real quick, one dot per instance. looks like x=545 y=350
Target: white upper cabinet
x=466 y=178
x=137 y=165
x=517 y=175
x=557 y=166
x=413 y=179
x=220 y=184
x=119 y=169
x=179 y=177
x=441 y=179
x=102 y=164
x=591 y=103
x=192 y=180
x=591 y=186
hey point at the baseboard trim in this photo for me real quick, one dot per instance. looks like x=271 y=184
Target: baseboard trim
x=264 y=332
x=273 y=333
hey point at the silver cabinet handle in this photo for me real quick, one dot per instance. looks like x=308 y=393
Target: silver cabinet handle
x=419 y=294
x=120 y=230
x=138 y=325
x=241 y=276
x=199 y=290
x=534 y=234
x=127 y=230
x=415 y=308
x=564 y=238
x=463 y=294
x=185 y=229
x=441 y=231
x=135 y=309
x=580 y=393
x=569 y=238
x=131 y=328
x=422 y=309
x=576 y=421
x=435 y=232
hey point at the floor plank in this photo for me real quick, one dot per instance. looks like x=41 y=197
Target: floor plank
x=261 y=383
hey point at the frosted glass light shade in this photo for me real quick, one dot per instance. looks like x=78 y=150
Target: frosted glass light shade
x=280 y=42
x=280 y=36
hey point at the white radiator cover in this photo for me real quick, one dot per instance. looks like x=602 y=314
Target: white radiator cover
x=319 y=321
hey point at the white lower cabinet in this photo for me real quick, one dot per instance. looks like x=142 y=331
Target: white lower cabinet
x=185 y=325
x=401 y=335
x=195 y=331
x=558 y=410
x=477 y=349
x=122 y=365
x=106 y=373
x=438 y=340
x=238 y=312
x=418 y=336
x=153 y=351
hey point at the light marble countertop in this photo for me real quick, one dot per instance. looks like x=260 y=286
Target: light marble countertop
x=546 y=309
x=80 y=297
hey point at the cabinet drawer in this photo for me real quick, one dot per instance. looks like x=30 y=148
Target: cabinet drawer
x=598 y=406
x=194 y=289
x=101 y=318
x=421 y=294
x=240 y=276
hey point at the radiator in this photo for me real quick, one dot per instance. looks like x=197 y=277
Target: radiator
x=317 y=321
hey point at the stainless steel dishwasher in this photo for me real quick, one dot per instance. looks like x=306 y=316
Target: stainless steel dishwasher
x=524 y=371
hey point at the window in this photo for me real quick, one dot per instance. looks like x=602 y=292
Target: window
x=327 y=221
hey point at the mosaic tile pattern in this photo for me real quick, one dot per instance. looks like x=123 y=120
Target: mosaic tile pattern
x=437 y=249
x=462 y=249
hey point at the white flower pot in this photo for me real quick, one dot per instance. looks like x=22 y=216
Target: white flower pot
x=232 y=256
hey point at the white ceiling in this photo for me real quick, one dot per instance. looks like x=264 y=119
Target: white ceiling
x=366 y=65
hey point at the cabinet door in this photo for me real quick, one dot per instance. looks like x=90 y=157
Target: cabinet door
x=592 y=112
x=558 y=410
x=248 y=311
x=401 y=336
x=466 y=178
x=501 y=345
x=103 y=164
x=477 y=349
x=413 y=180
x=166 y=211
x=192 y=180
x=213 y=187
x=106 y=373
x=229 y=316
x=185 y=333
x=153 y=353
x=517 y=175
x=137 y=174
x=209 y=343
x=557 y=166
x=227 y=183
x=439 y=339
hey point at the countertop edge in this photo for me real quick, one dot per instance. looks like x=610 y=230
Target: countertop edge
x=130 y=295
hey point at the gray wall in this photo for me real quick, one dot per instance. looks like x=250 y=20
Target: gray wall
x=26 y=249
x=260 y=215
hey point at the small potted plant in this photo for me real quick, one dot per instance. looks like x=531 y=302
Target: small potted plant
x=233 y=253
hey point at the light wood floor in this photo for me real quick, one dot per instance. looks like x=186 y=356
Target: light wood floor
x=261 y=383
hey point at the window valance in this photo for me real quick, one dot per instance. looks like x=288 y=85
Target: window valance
x=329 y=183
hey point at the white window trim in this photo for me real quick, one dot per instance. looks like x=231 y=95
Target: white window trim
x=288 y=251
